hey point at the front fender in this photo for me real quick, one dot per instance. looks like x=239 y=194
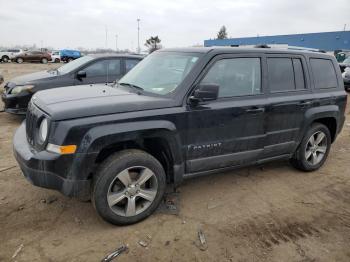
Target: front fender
x=100 y=137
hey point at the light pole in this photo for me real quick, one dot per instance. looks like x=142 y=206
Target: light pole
x=116 y=43
x=138 y=35
x=106 y=42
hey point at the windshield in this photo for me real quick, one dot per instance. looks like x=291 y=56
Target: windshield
x=160 y=72
x=74 y=64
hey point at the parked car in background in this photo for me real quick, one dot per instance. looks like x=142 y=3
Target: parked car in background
x=346 y=78
x=7 y=54
x=69 y=55
x=344 y=64
x=181 y=113
x=89 y=69
x=342 y=55
x=32 y=56
x=55 y=56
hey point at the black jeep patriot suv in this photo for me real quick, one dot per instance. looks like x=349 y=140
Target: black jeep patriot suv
x=178 y=114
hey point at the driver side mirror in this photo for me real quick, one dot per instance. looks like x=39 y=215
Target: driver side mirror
x=81 y=75
x=205 y=92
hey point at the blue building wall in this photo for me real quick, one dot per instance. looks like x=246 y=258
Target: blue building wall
x=328 y=41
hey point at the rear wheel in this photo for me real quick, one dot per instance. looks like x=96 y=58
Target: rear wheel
x=5 y=59
x=313 y=149
x=19 y=60
x=44 y=61
x=128 y=187
x=57 y=60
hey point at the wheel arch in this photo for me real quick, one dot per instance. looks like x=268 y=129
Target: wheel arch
x=326 y=115
x=158 y=138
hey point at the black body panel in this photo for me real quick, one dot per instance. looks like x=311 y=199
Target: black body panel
x=199 y=138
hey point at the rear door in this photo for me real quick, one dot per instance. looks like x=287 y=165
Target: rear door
x=36 y=56
x=130 y=63
x=115 y=70
x=230 y=130
x=290 y=96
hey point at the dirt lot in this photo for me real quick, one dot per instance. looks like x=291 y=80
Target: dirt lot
x=268 y=213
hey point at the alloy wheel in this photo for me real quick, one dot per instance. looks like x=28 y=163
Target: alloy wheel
x=132 y=191
x=316 y=148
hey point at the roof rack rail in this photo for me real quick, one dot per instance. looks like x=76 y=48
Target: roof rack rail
x=262 y=46
x=299 y=48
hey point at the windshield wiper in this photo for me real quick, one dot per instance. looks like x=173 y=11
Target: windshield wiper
x=131 y=85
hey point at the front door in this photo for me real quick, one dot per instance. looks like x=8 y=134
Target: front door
x=101 y=71
x=230 y=130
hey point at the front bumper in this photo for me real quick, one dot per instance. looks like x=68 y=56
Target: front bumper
x=16 y=104
x=39 y=168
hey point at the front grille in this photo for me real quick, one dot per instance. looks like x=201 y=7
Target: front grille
x=34 y=114
x=30 y=123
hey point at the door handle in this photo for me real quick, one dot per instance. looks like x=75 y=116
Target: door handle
x=255 y=110
x=305 y=103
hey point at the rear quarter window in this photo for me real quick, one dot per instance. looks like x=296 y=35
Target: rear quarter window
x=324 y=73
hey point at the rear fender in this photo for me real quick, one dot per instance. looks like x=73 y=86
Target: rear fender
x=316 y=113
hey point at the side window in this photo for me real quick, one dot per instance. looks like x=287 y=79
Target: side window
x=324 y=73
x=114 y=67
x=298 y=74
x=236 y=76
x=98 y=68
x=281 y=74
x=130 y=63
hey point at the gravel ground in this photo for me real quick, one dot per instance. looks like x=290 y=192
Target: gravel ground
x=267 y=213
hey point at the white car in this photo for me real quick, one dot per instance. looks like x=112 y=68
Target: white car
x=55 y=57
x=7 y=54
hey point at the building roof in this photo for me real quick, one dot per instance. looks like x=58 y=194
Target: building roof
x=328 y=41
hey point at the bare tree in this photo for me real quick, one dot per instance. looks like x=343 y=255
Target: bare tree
x=222 y=34
x=153 y=43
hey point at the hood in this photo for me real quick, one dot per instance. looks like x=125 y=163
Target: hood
x=31 y=78
x=93 y=100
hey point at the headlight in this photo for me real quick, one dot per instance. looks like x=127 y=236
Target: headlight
x=43 y=130
x=19 y=89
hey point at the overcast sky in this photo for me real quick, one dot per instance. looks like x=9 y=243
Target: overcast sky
x=82 y=23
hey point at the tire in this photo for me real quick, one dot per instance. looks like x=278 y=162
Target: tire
x=57 y=60
x=70 y=60
x=44 y=60
x=19 y=60
x=309 y=157
x=5 y=59
x=111 y=182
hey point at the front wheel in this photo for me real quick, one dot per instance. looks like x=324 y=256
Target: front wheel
x=44 y=60
x=128 y=187
x=313 y=149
